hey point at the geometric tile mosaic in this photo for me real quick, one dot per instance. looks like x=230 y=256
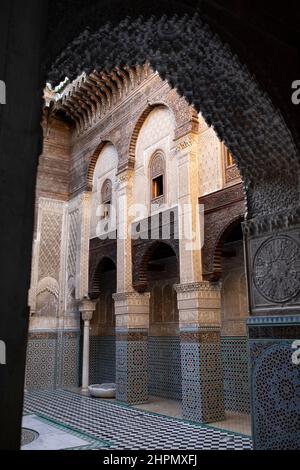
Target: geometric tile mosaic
x=236 y=374
x=71 y=361
x=52 y=361
x=124 y=427
x=40 y=364
x=164 y=367
x=275 y=395
x=102 y=359
x=202 y=377
x=132 y=367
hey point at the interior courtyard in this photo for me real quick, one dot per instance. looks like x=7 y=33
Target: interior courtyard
x=80 y=267
x=160 y=208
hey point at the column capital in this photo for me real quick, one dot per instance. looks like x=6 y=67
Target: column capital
x=201 y=286
x=132 y=309
x=132 y=296
x=87 y=308
x=123 y=178
x=186 y=144
x=199 y=304
x=85 y=195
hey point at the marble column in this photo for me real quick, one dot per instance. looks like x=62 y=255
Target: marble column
x=200 y=340
x=87 y=308
x=273 y=271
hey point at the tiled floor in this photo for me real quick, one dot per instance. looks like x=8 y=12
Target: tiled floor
x=235 y=422
x=121 y=427
x=164 y=406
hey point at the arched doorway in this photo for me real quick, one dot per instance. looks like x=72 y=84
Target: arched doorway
x=102 y=339
x=162 y=274
x=234 y=313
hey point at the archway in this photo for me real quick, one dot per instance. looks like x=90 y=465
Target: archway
x=234 y=313
x=161 y=267
x=102 y=339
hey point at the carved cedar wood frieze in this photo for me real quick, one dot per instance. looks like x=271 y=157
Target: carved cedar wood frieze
x=221 y=210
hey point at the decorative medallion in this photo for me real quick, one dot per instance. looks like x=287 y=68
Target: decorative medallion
x=276 y=269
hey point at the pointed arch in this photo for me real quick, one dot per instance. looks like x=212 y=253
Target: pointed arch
x=143 y=266
x=139 y=124
x=93 y=162
x=217 y=262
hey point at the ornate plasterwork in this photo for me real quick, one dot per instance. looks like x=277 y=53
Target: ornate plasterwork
x=72 y=254
x=106 y=191
x=199 y=287
x=123 y=178
x=199 y=304
x=48 y=277
x=72 y=242
x=132 y=309
x=185 y=142
x=50 y=231
x=157 y=164
x=243 y=116
x=48 y=284
x=82 y=278
x=137 y=298
x=210 y=164
x=47 y=296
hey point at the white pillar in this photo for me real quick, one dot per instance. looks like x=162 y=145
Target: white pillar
x=87 y=308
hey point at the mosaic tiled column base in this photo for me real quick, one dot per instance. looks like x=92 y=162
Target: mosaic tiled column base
x=52 y=360
x=236 y=373
x=201 y=368
x=201 y=361
x=132 y=326
x=275 y=382
x=132 y=366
